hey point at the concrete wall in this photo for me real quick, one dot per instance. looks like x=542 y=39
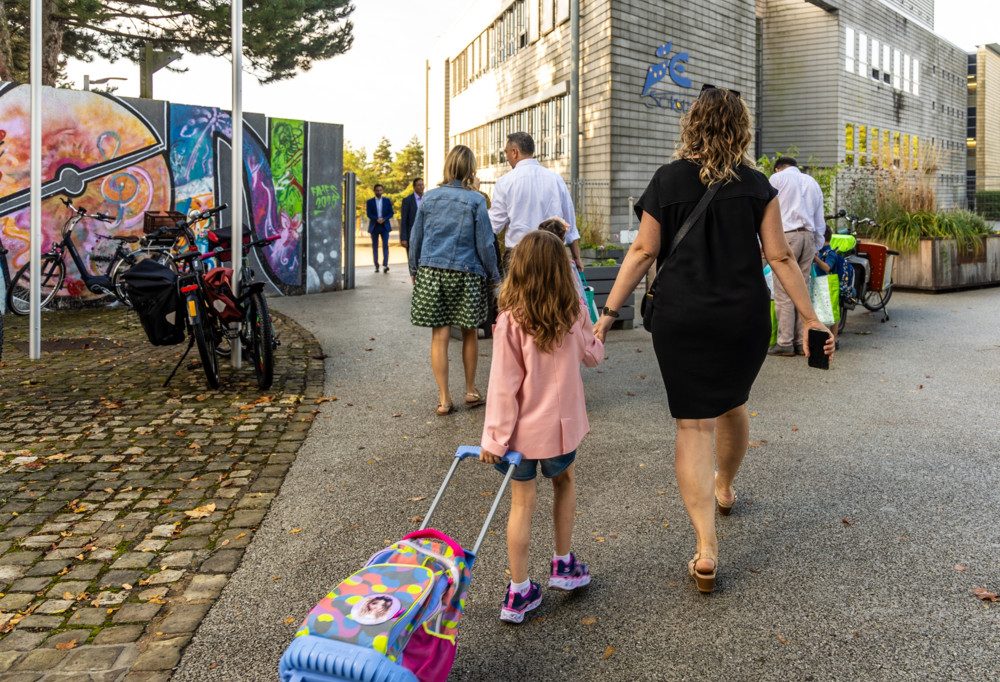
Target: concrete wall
x=127 y=156
x=713 y=43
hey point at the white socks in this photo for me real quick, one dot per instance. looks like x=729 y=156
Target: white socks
x=520 y=588
x=562 y=557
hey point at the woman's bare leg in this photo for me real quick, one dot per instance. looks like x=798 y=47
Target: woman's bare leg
x=732 y=438
x=470 y=357
x=695 y=467
x=439 y=362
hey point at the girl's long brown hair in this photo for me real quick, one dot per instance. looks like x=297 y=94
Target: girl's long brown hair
x=715 y=133
x=539 y=291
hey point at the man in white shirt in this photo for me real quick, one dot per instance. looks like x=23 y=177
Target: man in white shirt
x=801 y=201
x=530 y=194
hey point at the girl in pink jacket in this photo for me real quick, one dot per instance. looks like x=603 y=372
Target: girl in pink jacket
x=536 y=406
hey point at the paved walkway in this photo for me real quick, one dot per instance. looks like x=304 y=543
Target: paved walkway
x=867 y=510
x=124 y=506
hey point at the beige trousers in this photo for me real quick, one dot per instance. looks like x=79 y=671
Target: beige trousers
x=789 y=324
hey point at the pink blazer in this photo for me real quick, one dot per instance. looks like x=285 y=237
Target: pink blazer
x=535 y=404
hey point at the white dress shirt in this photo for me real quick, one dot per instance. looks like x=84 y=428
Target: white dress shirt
x=527 y=196
x=378 y=206
x=801 y=201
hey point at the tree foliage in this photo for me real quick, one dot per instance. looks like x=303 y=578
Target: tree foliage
x=394 y=172
x=279 y=38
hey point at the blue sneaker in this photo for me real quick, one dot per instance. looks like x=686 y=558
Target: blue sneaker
x=569 y=575
x=515 y=604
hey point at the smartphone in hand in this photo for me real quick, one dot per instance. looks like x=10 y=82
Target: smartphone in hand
x=817 y=352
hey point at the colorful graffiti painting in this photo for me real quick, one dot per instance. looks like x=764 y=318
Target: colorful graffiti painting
x=126 y=156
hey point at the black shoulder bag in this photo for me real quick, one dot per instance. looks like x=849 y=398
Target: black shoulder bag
x=646 y=307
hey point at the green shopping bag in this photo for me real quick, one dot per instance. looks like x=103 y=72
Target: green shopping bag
x=825 y=295
x=588 y=295
x=774 y=325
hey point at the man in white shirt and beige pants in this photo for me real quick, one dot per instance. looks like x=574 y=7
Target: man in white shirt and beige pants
x=529 y=195
x=801 y=201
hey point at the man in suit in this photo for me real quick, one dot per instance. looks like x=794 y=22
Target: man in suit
x=379 y=210
x=408 y=212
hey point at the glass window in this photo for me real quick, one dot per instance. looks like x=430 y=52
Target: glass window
x=862 y=145
x=875 y=54
x=916 y=77
x=876 y=159
x=915 y=151
x=906 y=73
x=849 y=144
x=546 y=16
x=886 y=63
x=897 y=68
x=862 y=54
x=895 y=147
x=562 y=11
x=849 y=50
x=886 y=149
x=905 y=151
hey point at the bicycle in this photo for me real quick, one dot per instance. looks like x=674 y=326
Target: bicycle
x=255 y=330
x=53 y=266
x=4 y=286
x=871 y=268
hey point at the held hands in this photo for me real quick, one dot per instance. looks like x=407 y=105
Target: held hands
x=602 y=326
x=488 y=457
x=830 y=344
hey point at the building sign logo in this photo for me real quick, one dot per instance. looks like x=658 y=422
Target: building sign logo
x=675 y=67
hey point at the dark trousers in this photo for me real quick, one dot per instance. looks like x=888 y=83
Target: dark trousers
x=384 y=234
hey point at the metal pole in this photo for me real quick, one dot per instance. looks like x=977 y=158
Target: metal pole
x=86 y=82
x=350 y=226
x=574 y=100
x=236 y=201
x=427 y=113
x=35 y=242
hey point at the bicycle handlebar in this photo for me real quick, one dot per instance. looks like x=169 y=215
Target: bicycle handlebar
x=82 y=212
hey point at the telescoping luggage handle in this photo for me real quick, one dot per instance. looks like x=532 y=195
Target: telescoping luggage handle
x=464 y=452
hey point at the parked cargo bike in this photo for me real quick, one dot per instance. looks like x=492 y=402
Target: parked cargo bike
x=870 y=269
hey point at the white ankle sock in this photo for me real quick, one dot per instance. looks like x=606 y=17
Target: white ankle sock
x=562 y=557
x=520 y=588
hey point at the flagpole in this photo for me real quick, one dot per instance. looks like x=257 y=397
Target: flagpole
x=35 y=240
x=236 y=203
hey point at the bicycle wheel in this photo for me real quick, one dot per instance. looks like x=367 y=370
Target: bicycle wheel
x=53 y=274
x=877 y=300
x=120 y=267
x=261 y=340
x=204 y=338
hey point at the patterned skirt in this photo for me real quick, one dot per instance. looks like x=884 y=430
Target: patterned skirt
x=449 y=298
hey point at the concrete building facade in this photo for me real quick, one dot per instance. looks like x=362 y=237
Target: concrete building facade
x=841 y=81
x=983 y=134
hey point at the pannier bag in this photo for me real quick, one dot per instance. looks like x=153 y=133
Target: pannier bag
x=219 y=290
x=152 y=289
x=224 y=237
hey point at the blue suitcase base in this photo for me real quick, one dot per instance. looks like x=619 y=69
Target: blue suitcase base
x=316 y=659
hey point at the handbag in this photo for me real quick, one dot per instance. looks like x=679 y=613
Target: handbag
x=646 y=307
x=588 y=295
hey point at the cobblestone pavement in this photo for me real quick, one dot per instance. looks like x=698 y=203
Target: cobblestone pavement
x=125 y=506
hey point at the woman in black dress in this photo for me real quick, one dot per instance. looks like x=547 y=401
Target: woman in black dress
x=711 y=323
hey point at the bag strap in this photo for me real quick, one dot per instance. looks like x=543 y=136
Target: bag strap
x=695 y=215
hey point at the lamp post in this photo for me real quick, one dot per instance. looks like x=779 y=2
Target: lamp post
x=87 y=82
x=35 y=182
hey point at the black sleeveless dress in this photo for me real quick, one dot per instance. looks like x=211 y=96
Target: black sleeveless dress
x=712 y=321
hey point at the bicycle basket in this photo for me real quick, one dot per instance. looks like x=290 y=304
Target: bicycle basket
x=219 y=291
x=154 y=220
x=152 y=289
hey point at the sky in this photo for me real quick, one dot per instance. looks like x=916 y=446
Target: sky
x=378 y=87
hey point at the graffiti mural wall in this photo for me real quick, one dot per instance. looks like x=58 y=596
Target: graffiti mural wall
x=127 y=156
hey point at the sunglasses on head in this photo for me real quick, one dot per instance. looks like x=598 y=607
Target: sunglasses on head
x=708 y=86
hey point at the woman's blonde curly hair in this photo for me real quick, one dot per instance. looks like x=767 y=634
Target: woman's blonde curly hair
x=716 y=134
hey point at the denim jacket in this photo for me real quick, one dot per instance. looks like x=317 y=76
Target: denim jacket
x=452 y=232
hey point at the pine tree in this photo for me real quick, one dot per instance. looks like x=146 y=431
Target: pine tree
x=279 y=38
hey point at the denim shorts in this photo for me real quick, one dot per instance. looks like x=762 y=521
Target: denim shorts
x=551 y=467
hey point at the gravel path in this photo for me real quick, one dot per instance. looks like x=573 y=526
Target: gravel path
x=867 y=510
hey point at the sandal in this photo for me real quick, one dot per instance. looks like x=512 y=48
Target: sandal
x=444 y=409
x=704 y=581
x=474 y=399
x=723 y=509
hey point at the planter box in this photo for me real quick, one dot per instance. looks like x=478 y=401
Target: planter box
x=939 y=266
x=592 y=255
x=601 y=279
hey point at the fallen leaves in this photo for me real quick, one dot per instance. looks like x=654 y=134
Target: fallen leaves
x=846 y=521
x=588 y=620
x=76 y=507
x=289 y=620
x=418 y=498
x=983 y=594
x=295 y=531
x=326 y=399
x=757 y=443
x=782 y=639
x=795 y=429
x=201 y=512
x=66 y=646
x=609 y=651
x=961 y=568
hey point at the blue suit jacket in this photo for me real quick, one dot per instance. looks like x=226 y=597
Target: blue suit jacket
x=407 y=216
x=373 y=214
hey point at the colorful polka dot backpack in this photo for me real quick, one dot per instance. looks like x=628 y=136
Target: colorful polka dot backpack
x=396 y=619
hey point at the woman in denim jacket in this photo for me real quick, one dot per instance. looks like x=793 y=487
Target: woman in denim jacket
x=453 y=262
